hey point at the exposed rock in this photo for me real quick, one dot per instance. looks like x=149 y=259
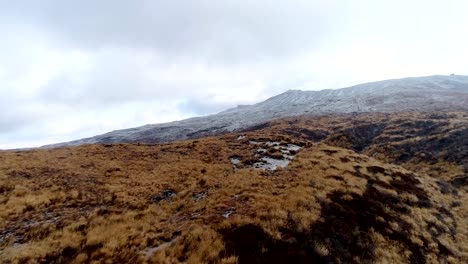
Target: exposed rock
x=269 y=155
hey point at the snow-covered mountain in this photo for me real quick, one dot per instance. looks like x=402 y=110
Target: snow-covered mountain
x=432 y=93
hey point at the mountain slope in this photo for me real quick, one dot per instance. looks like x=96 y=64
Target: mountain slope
x=358 y=188
x=432 y=93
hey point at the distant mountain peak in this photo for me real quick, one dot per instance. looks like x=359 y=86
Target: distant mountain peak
x=428 y=93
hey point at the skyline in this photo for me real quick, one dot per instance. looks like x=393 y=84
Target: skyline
x=74 y=70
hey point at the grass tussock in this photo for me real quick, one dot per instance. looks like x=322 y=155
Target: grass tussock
x=348 y=199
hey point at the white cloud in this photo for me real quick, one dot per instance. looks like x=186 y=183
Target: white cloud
x=76 y=69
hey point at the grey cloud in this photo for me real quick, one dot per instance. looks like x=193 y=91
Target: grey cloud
x=203 y=106
x=12 y=124
x=145 y=50
x=156 y=60
x=14 y=117
x=221 y=31
x=124 y=75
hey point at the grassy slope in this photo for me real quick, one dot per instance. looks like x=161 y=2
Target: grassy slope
x=365 y=188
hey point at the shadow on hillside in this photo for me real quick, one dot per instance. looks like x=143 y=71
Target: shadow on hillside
x=344 y=233
x=453 y=147
x=253 y=245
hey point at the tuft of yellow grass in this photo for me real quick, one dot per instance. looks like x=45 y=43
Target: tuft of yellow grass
x=184 y=202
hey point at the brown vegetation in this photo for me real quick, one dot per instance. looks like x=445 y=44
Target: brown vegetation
x=362 y=189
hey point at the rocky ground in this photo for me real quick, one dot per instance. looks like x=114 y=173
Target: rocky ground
x=351 y=188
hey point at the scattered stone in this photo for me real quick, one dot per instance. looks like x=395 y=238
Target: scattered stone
x=226 y=213
x=148 y=252
x=279 y=155
x=165 y=195
x=235 y=160
x=270 y=155
x=198 y=196
x=271 y=163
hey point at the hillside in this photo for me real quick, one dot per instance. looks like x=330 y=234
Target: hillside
x=432 y=93
x=347 y=188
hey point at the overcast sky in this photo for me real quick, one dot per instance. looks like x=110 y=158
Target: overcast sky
x=74 y=69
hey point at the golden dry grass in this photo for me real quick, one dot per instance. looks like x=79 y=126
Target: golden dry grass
x=184 y=201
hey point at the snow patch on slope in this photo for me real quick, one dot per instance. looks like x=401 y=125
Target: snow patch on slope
x=432 y=93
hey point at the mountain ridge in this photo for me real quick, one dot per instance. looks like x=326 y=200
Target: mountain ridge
x=430 y=93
